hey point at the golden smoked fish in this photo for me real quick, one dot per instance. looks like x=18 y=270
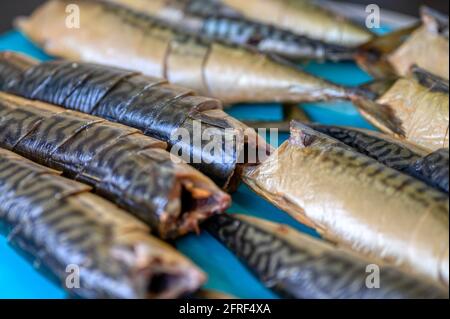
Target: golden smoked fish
x=426 y=46
x=112 y=35
x=298 y=266
x=420 y=104
x=59 y=223
x=358 y=202
x=303 y=17
x=119 y=162
x=215 y=21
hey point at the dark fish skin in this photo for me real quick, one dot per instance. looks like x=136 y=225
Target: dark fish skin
x=58 y=223
x=310 y=269
x=219 y=23
x=122 y=164
x=148 y=104
x=429 y=80
x=429 y=168
x=434 y=169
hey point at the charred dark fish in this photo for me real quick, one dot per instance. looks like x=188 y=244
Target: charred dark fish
x=151 y=105
x=215 y=21
x=358 y=202
x=119 y=162
x=399 y=155
x=426 y=46
x=298 y=266
x=116 y=36
x=59 y=223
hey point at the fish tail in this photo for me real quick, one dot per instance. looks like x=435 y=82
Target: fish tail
x=380 y=115
x=372 y=55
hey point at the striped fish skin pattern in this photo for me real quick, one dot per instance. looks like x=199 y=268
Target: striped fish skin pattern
x=122 y=164
x=311 y=269
x=434 y=168
x=231 y=73
x=429 y=168
x=58 y=223
x=148 y=104
x=215 y=21
x=356 y=201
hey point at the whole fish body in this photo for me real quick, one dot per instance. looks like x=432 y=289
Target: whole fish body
x=426 y=46
x=431 y=168
x=358 y=202
x=217 y=22
x=116 y=36
x=303 y=17
x=298 y=266
x=60 y=224
x=149 y=104
x=119 y=162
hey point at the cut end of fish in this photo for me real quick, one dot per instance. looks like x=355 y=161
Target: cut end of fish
x=195 y=200
x=173 y=282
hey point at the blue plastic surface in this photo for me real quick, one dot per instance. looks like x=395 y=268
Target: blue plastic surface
x=18 y=279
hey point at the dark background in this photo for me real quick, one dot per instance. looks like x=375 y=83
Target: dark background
x=12 y=8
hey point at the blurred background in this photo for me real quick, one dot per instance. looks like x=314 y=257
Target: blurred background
x=9 y=9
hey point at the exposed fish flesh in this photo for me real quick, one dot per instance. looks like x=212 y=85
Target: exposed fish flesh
x=215 y=21
x=298 y=266
x=59 y=224
x=151 y=105
x=426 y=46
x=397 y=154
x=358 y=202
x=420 y=104
x=433 y=169
x=120 y=163
x=303 y=17
x=120 y=37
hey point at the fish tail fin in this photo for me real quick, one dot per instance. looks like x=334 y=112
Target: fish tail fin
x=372 y=55
x=380 y=115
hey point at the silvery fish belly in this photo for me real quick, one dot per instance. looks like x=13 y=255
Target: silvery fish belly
x=431 y=168
x=298 y=266
x=215 y=21
x=120 y=163
x=358 y=202
x=58 y=223
x=158 y=109
x=420 y=103
x=116 y=36
x=303 y=17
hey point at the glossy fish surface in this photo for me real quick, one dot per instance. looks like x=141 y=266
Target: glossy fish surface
x=119 y=162
x=59 y=224
x=425 y=46
x=217 y=22
x=116 y=36
x=358 y=202
x=158 y=109
x=420 y=104
x=431 y=168
x=303 y=17
x=298 y=266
